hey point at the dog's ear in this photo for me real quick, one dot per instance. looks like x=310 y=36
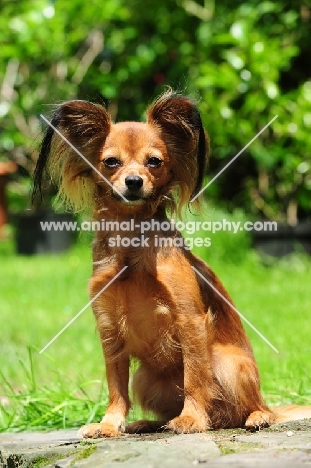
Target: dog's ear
x=75 y=127
x=179 y=122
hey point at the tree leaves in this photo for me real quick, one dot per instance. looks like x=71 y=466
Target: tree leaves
x=247 y=63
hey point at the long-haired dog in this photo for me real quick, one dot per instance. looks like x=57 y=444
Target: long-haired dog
x=197 y=369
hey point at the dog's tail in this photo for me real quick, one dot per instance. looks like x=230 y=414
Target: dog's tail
x=291 y=413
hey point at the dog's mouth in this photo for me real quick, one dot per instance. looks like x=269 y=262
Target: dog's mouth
x=130 y=198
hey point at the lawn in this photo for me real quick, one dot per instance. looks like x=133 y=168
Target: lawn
x=64 y=386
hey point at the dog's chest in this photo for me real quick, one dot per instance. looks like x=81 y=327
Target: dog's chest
x=143 y=315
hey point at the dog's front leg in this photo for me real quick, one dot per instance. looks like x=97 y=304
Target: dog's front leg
x=116 y=359
x=194 y=332
x=198 y=382
x=112 y=424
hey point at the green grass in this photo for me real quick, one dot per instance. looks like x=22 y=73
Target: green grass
x=65 y=385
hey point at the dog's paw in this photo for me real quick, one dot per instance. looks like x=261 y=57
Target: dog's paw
x=98 y=430
x=187 y=424
x=258 y=420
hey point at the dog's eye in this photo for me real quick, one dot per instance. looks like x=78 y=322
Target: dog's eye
x=153 y=161
x=111 y=162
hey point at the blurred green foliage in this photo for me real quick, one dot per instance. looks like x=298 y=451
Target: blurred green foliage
x=245 y=63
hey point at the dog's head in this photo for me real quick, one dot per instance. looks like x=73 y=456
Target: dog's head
x=128 y=167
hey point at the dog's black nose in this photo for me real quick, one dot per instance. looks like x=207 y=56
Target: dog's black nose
x=133 y=183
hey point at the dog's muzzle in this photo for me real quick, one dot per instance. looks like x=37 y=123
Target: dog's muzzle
x=133 y=192
x=134 y=183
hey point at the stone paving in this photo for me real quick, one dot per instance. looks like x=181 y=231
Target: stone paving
x=285 y=445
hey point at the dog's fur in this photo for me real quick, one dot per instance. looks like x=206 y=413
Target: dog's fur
x=197 y=369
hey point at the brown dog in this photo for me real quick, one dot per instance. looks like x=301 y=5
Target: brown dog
x=197 y=370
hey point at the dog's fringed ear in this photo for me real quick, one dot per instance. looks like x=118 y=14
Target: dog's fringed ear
x=179 y=123
x=85 y=125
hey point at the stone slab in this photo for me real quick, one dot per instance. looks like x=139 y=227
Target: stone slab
x=281 y=446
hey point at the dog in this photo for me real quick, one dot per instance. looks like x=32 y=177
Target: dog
x=197 y=370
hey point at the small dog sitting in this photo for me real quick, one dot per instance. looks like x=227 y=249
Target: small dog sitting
x=197 y=369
